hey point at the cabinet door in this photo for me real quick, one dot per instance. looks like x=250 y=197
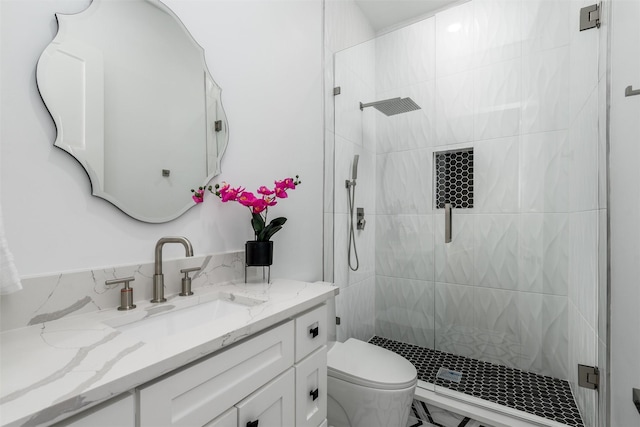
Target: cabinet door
x=311 y=389
x=117 y=412
x=201 y=392
x=271 y=406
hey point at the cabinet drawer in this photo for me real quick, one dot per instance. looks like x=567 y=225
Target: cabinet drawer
x=311 y=331
x=203 y=391
x=271 y=406
x=117 y=412
x=311 y=389
x=228 y=419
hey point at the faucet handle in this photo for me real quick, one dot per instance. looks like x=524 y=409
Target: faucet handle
x=186 y=281
x=126 y=293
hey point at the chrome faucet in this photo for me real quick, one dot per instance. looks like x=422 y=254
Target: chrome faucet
x=158 y=277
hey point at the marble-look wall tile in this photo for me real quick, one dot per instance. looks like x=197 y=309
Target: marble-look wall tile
x=583 y=60
x=405 y=310
x=47 y=298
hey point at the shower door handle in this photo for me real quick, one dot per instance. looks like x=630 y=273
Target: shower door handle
x=447 y=222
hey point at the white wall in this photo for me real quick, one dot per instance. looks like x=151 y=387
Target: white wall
x=266 y=56
x=624 y=208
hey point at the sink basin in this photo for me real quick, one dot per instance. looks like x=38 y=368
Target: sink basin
x=170 y=320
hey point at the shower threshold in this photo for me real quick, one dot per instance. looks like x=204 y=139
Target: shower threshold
x=517 y=393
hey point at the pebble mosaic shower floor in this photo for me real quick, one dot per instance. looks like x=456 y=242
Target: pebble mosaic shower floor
x=535 y=394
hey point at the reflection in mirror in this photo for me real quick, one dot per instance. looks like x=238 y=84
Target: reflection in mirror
x=133 y=101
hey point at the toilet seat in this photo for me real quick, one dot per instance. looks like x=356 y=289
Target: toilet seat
x=368 y=365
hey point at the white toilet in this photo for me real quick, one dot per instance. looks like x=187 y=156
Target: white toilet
x=368 y=386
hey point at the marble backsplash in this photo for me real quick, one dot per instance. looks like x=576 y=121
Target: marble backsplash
x=47 y=298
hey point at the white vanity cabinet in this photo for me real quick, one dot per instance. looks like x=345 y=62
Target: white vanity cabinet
x=274 y=378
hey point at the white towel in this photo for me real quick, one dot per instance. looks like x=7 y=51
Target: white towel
x=9 y=278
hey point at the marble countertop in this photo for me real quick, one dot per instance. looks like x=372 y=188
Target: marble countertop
x=53 y=369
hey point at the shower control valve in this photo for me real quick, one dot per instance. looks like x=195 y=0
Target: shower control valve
x=360 y=217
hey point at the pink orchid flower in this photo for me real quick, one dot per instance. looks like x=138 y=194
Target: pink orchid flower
x=270 y=201
x=258 y=205
x=230 y=194
x=281 y=193
x=265 y=191
x=247 y=198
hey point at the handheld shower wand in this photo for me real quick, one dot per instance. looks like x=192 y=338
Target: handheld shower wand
x=351 y=198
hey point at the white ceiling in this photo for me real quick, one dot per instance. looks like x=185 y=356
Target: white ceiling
x=389 y=13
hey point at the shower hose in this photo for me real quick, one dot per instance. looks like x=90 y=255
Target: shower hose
x=351 y=198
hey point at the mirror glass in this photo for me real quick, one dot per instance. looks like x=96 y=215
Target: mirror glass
x=133 y=101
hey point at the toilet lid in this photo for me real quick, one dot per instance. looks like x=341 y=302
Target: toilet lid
x=368 y=365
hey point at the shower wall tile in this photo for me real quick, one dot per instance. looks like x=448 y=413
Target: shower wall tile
x=406 y=56
x=355 y=306
x=583 y=144
x=405 y=310
x=544 y=253
x=455 y=33
x=344 y=152
x=404 y=182
x=497 y=100
x=545 y=90
x=340 y=254
x=329 y=110
x=496 y=175
x=404 y=246
x=496 y=251
x=545 y=25
x=455 y=332
x=497 y=326
x=365 y=244
x=454 y=114
x=583 y=264
x=583 y=60
x=454 y=260
x=544 y=172
x=498 y=27
x=544 y=333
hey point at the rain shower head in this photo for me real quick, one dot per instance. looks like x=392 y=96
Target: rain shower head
x=393 y=106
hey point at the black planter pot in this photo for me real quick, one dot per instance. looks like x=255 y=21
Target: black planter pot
x=258 y=254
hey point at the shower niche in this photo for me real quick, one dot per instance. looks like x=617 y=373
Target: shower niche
x=453 y=178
